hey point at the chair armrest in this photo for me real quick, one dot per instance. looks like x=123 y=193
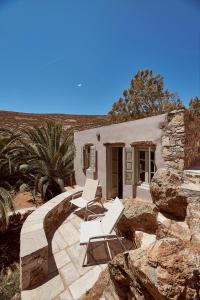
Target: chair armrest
x=102 y=237
x=96 y=199
x=95 y=216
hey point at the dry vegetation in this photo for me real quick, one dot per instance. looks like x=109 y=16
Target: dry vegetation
x=77 y=122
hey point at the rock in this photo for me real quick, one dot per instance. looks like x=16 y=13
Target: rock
x=177 y=164
x=169 y=269
x=122 y=284
x=102 y=289
x=138 y=215
x=166 y=193
x=171 y=228
x=119 y=277
x=193 y=220
x=143 y=239
x=176 y=118
x=109 y=293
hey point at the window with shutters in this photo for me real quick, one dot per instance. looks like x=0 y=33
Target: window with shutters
x=89 y=157
x=146 y=165
x=139 y=165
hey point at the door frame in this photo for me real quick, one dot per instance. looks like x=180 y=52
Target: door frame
x=108 y=166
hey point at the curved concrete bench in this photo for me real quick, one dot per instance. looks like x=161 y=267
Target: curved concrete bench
x=34 y=246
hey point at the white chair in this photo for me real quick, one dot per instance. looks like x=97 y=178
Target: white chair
x=88 y=197
x=101 y=229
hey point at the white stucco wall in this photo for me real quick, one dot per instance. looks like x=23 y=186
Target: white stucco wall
x=147 y=129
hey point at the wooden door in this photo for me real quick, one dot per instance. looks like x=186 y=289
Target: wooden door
x=114 y=184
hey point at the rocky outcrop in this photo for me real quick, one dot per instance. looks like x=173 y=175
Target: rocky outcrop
x=160 y=272
x=193 y=220
x=138 y=215
x=171 y=228
x=167 y=194
x=99 y=288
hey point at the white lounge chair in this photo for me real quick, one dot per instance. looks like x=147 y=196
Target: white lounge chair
x=101 y=229
x=88 y=197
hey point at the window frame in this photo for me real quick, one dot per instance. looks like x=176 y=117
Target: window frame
x=132 y=173
x=89 y=157
x=148 y=150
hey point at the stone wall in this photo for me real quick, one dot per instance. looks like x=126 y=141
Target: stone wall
x=181 y=140
x=173 y=140
x=35 y=233
x=192 y=138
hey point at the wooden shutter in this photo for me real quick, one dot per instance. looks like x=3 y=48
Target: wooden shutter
x=129 y=165
x=136 y=163
x=93 y=158
x=83 y=158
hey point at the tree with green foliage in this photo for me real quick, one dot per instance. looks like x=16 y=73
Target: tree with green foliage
x=146 y=96
x=194 y=105
x=48 y=158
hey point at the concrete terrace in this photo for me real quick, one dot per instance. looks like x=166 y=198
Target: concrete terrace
x=67 y=279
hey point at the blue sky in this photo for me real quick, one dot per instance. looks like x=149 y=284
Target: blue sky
x=75 y=56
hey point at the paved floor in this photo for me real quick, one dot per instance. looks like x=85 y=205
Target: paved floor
x=68 y=280
x=68 y=255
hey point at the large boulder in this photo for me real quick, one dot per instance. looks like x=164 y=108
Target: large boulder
x=167 y=194
x=171 y=228
x=168 y=270
x=138 y=215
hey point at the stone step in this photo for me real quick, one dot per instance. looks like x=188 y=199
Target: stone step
x=191 y=176
x=191 y=186
x=193 y=191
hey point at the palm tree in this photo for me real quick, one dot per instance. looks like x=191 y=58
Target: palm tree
x=8 y=156
x=49 y=154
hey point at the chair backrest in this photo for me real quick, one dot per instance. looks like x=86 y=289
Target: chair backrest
x=112 y=216
x=90 y=189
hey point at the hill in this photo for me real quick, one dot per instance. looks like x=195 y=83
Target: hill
x=77 y=122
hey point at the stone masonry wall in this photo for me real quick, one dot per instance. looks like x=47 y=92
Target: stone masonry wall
x=192 y=138
x=173 y=140
x=181 y=140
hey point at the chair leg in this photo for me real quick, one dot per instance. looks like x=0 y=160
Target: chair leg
x=102 y=204
x=88 y=245
x=85 y=214
x=107 y=248
x=124 y=248
x=89 y=250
